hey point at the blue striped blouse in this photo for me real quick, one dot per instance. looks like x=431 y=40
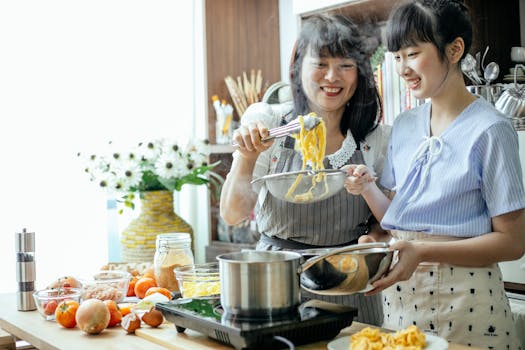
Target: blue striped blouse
x=455 y=183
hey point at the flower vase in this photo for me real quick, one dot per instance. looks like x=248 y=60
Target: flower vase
x=138 y=240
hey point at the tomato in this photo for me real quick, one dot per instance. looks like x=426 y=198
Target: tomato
x=125 y=308
x=50 y=307
x=161 y=290
x=114 y=313
x=131 y=286
x=65 y=313
x=142 y=286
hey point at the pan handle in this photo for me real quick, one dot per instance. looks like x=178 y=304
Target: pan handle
x=333 y=251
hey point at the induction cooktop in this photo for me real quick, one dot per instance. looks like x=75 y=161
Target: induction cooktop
x=314 y=320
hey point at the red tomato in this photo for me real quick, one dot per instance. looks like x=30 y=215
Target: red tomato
x=65 y=313
x=114 y=313
x=50 y=307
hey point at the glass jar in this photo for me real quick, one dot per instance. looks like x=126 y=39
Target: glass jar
x=173 y=250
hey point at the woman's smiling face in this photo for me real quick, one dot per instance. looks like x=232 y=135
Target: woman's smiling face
x=422 y=69
x=328 y=82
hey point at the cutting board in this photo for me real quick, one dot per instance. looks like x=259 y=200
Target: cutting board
x=167 y=336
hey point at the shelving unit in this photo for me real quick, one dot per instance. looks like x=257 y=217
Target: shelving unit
x=240 y=35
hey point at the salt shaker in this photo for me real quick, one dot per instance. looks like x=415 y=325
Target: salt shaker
x=25 y=270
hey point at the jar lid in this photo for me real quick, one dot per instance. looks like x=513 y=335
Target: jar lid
x=182 y=237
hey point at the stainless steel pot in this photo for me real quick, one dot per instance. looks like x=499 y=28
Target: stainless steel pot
x=512 y=103
x=490 y=93
x=512 y=100
x=267 y=283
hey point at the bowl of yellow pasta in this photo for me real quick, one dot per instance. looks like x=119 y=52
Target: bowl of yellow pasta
x=305 y=186
x=198 y=280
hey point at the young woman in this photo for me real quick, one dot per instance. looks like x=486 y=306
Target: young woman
x=331 y=76
x=454 y=167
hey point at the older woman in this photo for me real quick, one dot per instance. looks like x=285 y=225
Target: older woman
x=331 y=76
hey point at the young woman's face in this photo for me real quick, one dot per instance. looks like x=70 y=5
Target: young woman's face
x=421 y=69
x=328 y=82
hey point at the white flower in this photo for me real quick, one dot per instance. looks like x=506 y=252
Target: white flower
x=151 y=166
x=149 y=151
x=171 y=165
x=129 y=172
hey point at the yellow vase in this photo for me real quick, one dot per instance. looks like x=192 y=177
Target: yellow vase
x=157 y=216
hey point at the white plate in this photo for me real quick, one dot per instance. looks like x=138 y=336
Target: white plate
x=433 y=343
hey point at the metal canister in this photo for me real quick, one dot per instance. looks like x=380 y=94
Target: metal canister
x=25 y=270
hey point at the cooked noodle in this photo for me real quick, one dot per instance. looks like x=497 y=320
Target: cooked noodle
x=411 y=338
x=312 y=144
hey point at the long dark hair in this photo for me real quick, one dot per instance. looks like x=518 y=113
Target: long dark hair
x=338 y=36
x=433 y=21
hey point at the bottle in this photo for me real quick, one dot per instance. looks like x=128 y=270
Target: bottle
x=173 y=250
x=25 y=270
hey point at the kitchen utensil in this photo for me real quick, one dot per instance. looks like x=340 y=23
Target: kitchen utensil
x=490 y=93
x=310 y=322
x=47 y=300
x=25 y=270
x=482 y=65
x=293 y=127
x=267 y=283
x=279 y=184
x=198 y=280
x=468 y=67
x=478 y=63
x=491 y=72
x=512 y=100
x=105 y=285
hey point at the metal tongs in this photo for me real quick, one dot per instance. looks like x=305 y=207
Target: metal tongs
x=293 y=127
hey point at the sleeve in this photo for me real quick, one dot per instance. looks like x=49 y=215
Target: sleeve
x=497 y=153
x=381 y=149
x=388 y=179
x=260 y=112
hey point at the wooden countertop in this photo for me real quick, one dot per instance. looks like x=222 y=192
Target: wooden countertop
x=48 y=335
x=31 y=327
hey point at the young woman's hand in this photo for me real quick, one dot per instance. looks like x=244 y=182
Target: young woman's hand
x=408 y=258
x=359 y=178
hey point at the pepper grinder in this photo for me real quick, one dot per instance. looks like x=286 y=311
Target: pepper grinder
x=25 y=270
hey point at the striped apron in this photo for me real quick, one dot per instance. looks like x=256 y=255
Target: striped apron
x=465 y=305
x=330 y=222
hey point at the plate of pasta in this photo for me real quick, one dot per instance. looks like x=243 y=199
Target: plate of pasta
x=372 y=338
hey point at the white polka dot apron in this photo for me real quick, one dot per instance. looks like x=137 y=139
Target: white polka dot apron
x=464 y=305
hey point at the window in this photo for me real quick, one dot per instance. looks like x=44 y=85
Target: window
x=74 y=75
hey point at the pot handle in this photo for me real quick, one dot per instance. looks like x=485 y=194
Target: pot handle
x=350 y=248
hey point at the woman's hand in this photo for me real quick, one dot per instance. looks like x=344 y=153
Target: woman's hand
x=359 y=178
x=249 y=137
x=408 y=258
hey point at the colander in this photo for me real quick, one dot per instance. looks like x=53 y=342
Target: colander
x=279 y=184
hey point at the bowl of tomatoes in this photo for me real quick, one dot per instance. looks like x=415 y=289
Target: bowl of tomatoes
x=47 y=300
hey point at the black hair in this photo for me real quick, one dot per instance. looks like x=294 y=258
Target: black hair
x=438 y=22
x=337 y=36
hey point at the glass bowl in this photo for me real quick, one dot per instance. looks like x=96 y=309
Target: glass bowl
x=198 y=280
x=106 y=285
x=47 y=300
